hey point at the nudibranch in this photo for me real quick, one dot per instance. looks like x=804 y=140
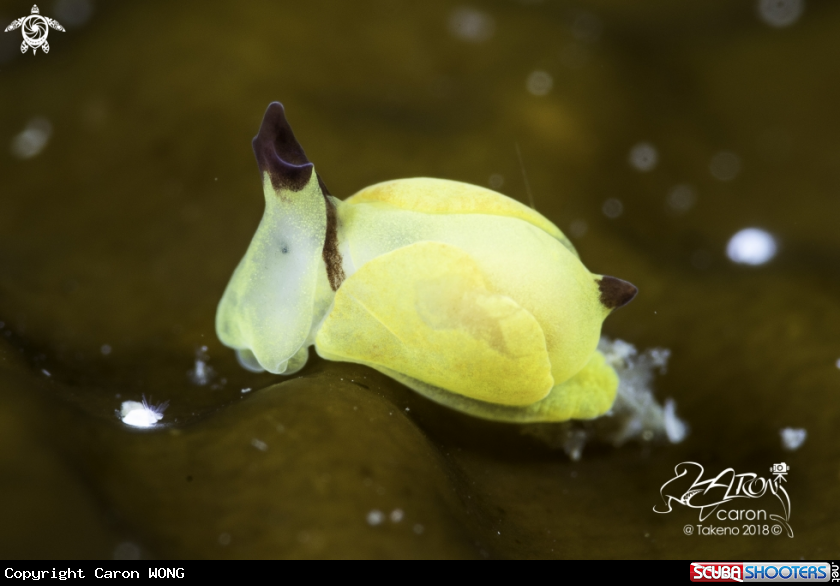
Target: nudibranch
x=462 y=294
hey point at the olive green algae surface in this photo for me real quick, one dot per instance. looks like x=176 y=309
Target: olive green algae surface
x=117 y=240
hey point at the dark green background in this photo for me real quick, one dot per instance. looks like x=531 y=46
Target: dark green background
x=126 y=228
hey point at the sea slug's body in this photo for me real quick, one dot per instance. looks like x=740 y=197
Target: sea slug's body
x=464 y=295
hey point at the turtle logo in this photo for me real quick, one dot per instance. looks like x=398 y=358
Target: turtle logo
x=35 y=30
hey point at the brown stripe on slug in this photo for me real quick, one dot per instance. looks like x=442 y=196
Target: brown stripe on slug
x=323 y=187
x=615 y=293
x=279 y=153
x=332 y=257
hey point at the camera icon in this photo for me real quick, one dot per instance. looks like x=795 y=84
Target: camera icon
x=780 y=468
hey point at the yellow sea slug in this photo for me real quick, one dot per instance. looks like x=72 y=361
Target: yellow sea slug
x=460 y=293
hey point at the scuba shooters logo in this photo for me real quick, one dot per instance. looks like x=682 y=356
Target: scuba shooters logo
x=719 y=497
x=763 y=572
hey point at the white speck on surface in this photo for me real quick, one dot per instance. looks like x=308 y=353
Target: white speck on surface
x=260 y=445
x=578 y=228
x=396 y=515
x=471 y=25
x=224 y=539
x=248 y=390
x=375 y=517
x=105 y=349
x=725 y=166
x=202 y=373
x=496 y=181
x=126 y=551
x=142 y=414
x=780 y=13
x=46 y=372
x=574 y=444
x=793 y=438
x=681 y=198
x=418 y=529
x=675 y=428
x=751 y=246
x=539 y=83
x=643 y=157
x=32 y=139
x=612 y=208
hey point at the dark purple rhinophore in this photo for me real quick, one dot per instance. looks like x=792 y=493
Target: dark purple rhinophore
x=615 y=293
x=279 y=153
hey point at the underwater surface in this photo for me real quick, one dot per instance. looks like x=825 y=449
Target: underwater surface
x=650 y=132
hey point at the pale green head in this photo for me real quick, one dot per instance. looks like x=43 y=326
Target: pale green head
x=266 y=312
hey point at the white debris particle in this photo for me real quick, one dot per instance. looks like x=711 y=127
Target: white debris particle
x=496 y=181
x=418 y=529
x=578 y=228
x=202 y=373
x=643 y=157
x=635 y=408
x=32 y=140
x=837 y=364
x=793 y=438
x=471 y=25
x=780 y=13
x=574 y=444
x=248 y=390
x=675 y=428
x=612 y=208
x=751 y=246
x=260 y=445
x=142 y=414
x=375 y=517
x=540 y=83
x=396 y=515
x=46 y=372
x=105 y=349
